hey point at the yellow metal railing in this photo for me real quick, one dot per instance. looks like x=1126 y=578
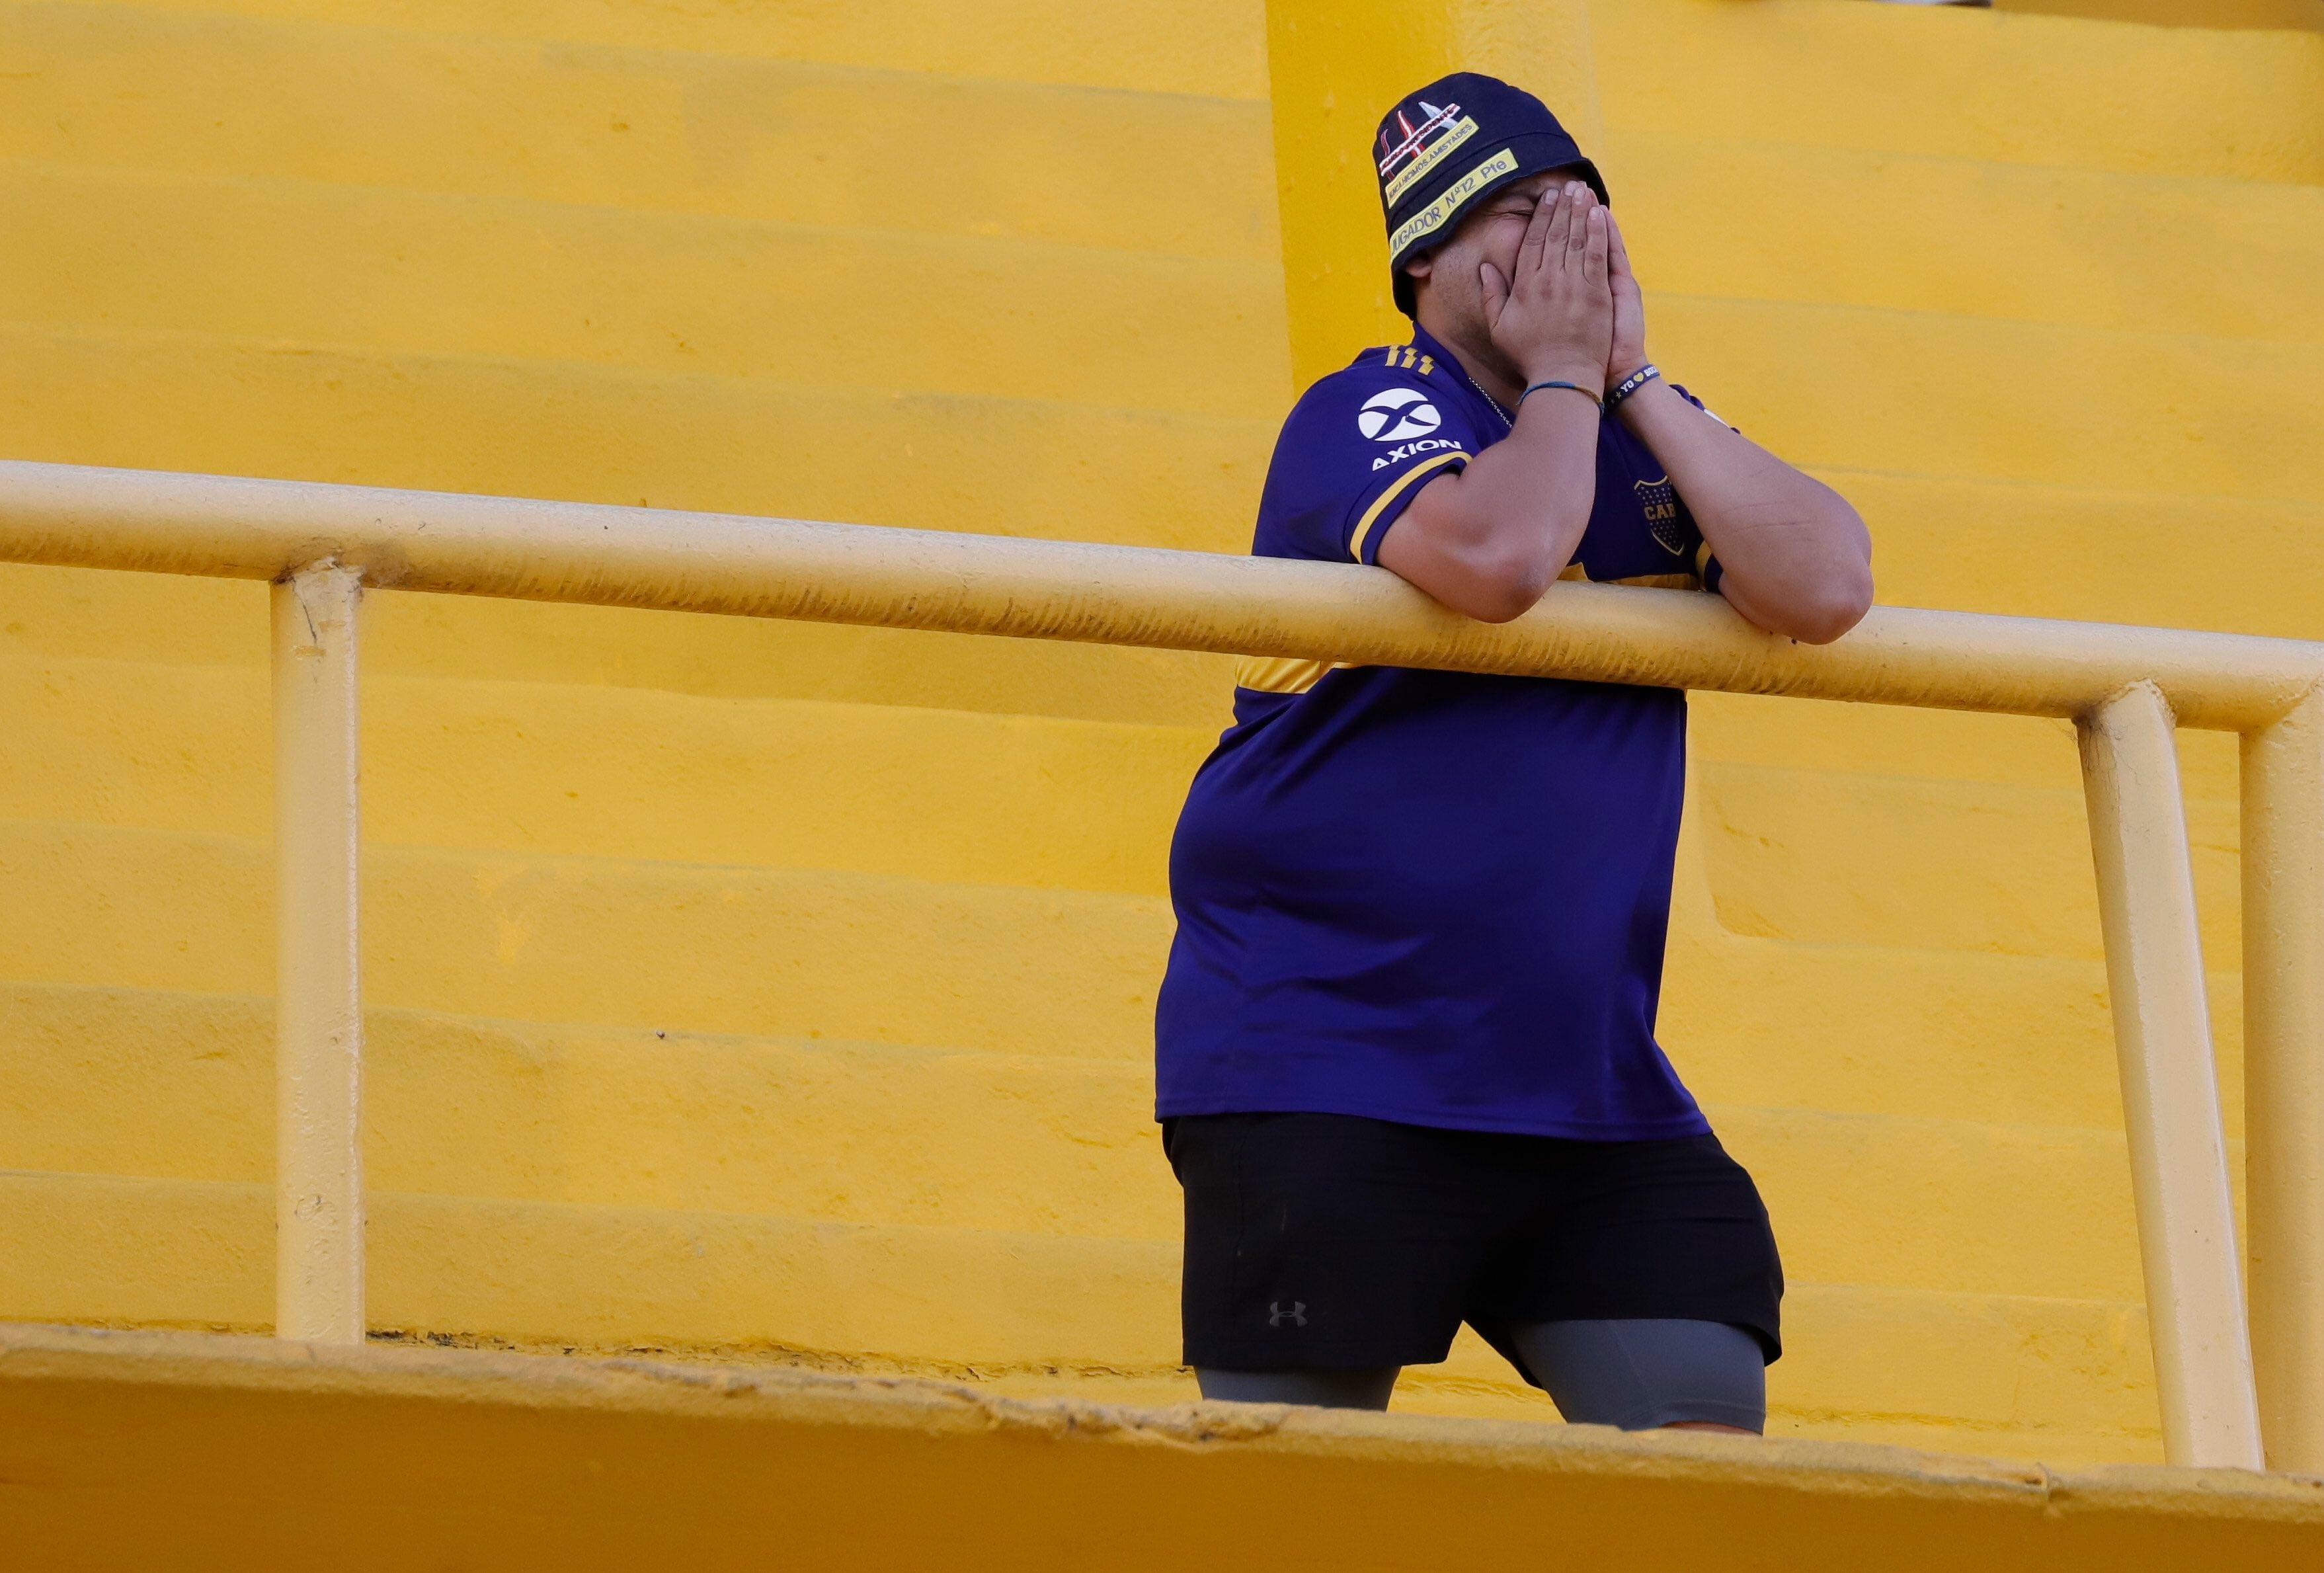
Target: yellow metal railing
x=2225 y=1380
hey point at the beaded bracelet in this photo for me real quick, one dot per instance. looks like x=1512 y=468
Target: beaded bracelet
x=1632 y=383
x=1576 y=387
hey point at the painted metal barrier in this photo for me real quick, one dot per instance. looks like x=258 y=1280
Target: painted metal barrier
x=2225 y=1380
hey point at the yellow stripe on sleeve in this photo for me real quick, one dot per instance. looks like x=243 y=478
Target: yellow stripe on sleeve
x=1426 y=467
x=1281 y=674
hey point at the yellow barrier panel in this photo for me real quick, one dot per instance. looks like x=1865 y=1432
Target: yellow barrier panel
x=2123 y=686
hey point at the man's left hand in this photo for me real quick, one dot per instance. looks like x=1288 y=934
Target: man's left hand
x=1629 y=352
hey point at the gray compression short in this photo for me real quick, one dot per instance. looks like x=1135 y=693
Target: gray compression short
x=1636 y=1374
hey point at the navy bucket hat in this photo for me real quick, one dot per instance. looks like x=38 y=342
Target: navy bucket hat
x=1450 y=145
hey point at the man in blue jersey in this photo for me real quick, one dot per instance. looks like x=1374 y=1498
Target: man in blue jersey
x=1405 y=1059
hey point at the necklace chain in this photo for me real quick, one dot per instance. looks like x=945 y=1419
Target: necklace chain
x=1489 y=398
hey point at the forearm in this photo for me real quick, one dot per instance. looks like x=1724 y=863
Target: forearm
x=1795 y=556
x=1491 y=539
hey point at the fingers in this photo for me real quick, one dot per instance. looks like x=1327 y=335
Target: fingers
x=1585 y=202
x=1617 y=255
x=1497 y=292
x=1551 y=306
x=1593 y=253
x=1545 y=235
x=1536 y=235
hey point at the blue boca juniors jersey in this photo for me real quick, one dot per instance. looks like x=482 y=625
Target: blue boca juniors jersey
x=1439 y=898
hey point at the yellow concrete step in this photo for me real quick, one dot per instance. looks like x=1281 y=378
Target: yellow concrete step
x=1737 y=1014
x=1961 y=1034
x=2091 y=248
x=1956 y=83
x=181 y=401
x=1936 y=745
x=2007 y=1373
x=79 y=614
x=1970 y=1373
x=361 y=269
x=1905 y=861
x=1214 y=48
x=136 y=1449
x=1968 y=1036
x=214 y=93
x=2093 y=552
x=1800 y=813
x=1930 y=393
x=181 y=1087
x=940 y=795
x=773 y=952
x=1947 y=1035
x=366 y=272
x=1824 y=385
x=1949 y=858
x=2278 y=15
x=624 y=1117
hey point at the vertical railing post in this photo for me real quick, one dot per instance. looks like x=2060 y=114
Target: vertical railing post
x=2170 y=1083
x=318 y=1198
x=2284 y=1078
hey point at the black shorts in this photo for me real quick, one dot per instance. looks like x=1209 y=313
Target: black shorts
x=1316 y=1240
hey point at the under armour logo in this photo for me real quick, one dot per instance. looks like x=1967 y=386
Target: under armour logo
x=1296 y=1316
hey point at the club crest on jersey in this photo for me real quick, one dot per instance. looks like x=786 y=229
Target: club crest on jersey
x=1659 y=499
x=1395 y=414
x=1408 y=151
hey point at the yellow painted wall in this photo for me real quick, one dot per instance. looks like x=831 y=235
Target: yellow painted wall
x=786 y=993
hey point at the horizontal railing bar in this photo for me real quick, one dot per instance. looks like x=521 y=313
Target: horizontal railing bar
x=593 y=553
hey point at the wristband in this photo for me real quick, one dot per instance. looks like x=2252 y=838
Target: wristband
x=1575 y=387
x=1646 y=374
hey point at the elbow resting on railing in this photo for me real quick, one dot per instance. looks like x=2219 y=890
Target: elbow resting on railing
x=1807 y=577
x=1502 y=585
x=1510 y=585
x=1820 y=612
x=1492 y=580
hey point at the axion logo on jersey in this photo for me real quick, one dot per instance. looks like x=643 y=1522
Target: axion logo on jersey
x=1419 y=148
x=1403 y=450
x=1395 y=414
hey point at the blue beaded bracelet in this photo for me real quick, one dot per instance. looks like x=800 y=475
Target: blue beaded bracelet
x=1632 y=383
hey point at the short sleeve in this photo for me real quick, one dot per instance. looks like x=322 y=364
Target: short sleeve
x=1355 y=452
x=1680 y=390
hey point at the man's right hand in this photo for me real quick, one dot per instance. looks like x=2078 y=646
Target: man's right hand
x=1556 y=319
